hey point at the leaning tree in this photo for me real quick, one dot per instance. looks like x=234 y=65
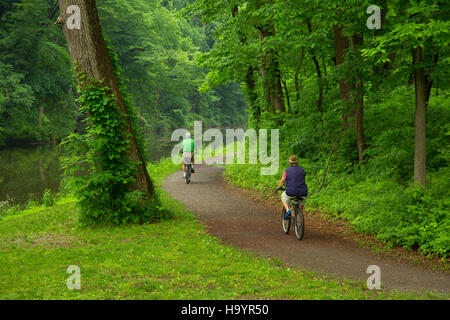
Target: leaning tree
x=94 y=66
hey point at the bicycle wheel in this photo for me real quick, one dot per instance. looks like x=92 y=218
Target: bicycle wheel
x=285 y=223
x=299 y=223
x=188 y=174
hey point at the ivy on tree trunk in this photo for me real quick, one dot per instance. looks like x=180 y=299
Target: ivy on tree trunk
x=90 y=57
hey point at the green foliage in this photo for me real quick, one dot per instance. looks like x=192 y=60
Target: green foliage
x=49 y=198
x=14 y=94
x=156 y=47
x=8 y=208
x=410 y=217
x=377 y=197
x=36 y=84
x=158 y=50
x=103 y=174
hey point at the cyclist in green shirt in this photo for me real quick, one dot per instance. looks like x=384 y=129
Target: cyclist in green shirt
x=188 y=150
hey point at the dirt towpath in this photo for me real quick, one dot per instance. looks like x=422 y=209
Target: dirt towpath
x=253 y=225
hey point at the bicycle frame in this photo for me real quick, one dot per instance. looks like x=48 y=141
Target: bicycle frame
x=296 y=218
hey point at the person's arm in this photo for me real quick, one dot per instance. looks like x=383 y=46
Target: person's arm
x=182 y=148
x=282 y=181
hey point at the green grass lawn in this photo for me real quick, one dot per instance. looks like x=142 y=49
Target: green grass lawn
x=173 y=259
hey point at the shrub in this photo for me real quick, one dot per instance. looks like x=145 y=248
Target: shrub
x=101 y=169
x=48 y=198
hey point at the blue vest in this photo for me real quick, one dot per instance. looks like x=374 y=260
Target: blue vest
x=295 y=182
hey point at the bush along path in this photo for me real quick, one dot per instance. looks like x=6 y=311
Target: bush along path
x=255 y=226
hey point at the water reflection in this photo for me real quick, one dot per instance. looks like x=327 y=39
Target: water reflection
x=25 y=172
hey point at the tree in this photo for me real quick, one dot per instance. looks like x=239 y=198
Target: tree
x=425 y=31
x=245 y=28
x=13 y=93
x=93 y=65
x=35 y=49
x=348 y=42
x=341 y=44
x=249 y=77
x=270 y=69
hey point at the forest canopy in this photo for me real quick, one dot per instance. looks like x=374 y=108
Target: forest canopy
x=157 y=49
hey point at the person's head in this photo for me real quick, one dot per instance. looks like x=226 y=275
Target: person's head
x=293 y=160
x=188 y=135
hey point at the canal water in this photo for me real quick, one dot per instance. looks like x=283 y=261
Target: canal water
x=25 y=172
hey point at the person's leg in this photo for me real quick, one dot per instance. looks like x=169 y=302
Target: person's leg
x=284 y=200
x=192 y=164
x=184 y=166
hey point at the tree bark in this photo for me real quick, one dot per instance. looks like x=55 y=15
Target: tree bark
x=421 y=90
x=319 y=75
x=90 y=57
x=288 y=99
x=359 y=118
x=271 y=73
x=249 y=78
x=358 y=94
x=255 y=108
x=319 y=83
x=325 y=81
x=341 y=44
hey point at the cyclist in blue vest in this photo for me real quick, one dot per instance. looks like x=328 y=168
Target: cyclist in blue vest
x=296 y=187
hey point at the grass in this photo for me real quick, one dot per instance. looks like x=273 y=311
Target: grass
x=173 y=259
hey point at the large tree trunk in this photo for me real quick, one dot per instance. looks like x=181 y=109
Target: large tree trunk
x=90 y=56
x=271 y=72
x=359 y=118
x=249 y=79
x=358 y=94
x=341 y=44
x=422 y=89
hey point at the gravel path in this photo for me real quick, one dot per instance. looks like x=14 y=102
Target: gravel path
x=254 y=226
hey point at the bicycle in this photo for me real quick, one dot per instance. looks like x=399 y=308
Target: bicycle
x=296 y=218
x=188 y=170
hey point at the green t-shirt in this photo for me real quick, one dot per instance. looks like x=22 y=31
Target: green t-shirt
x=188 y=145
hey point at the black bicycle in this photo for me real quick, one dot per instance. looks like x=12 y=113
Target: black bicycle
x=188 y=172
x=188 y=168
x=296 y=218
